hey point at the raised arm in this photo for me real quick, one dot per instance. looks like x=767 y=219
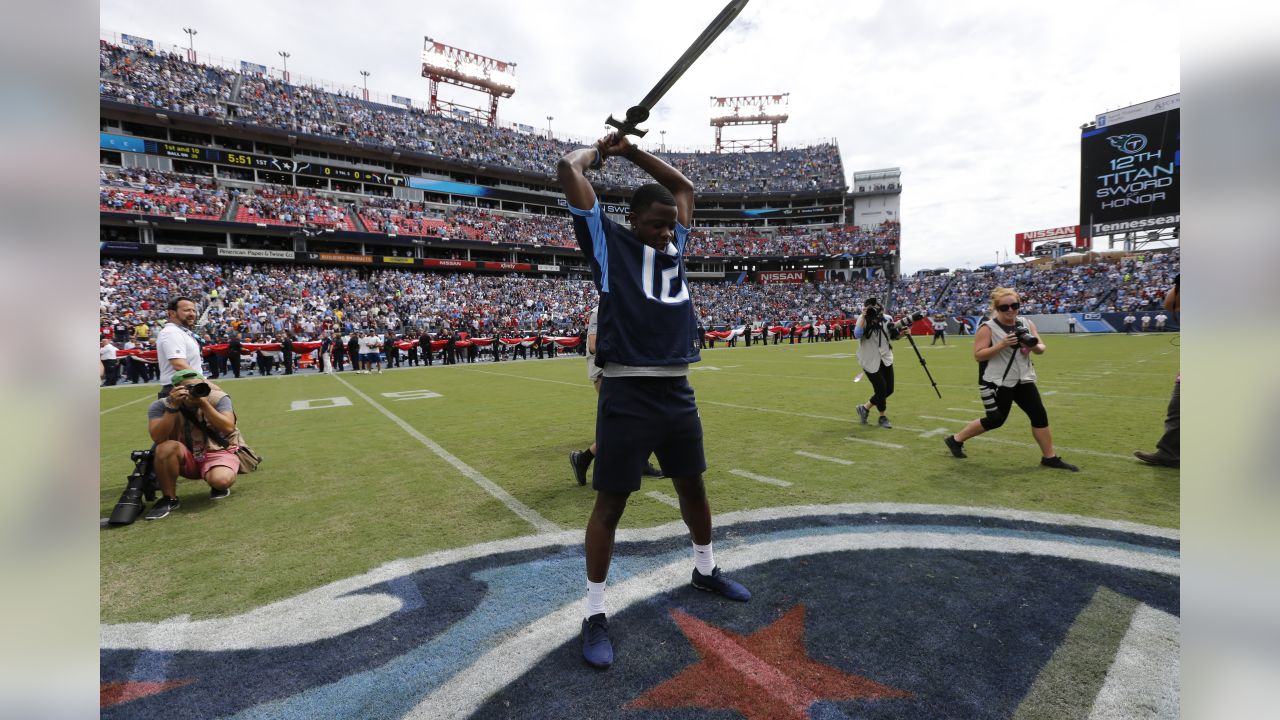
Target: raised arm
x=571 y=170
x=669 y=177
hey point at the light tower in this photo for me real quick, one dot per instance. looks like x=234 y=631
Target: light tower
x=749 y=110
x=445 y=64
x=191 y=48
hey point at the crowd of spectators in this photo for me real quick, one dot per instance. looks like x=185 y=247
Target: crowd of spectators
x=1134 y=282
x=154 y=192
x=275 y=205
x=798 y=241
x=139 y=190
x=162 y=80
x=166 y=80
x=261 y=302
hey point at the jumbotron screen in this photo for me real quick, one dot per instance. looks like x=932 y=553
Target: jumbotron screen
x=1130 y=169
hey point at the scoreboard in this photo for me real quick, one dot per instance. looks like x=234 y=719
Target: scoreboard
x=1130 y=169
x=247 y=160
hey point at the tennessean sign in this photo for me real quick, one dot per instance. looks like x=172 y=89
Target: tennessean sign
x=780 y=276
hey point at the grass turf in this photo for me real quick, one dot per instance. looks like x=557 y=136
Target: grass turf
x=346 y=489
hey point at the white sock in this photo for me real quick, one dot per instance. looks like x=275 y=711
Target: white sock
x=703 y=558
x=595 y=598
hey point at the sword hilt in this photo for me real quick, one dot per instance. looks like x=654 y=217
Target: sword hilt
x=635 y=116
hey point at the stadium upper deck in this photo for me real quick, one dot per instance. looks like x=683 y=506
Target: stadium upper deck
x=167 y=81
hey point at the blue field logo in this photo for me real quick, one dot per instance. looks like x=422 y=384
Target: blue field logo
x=885 y=611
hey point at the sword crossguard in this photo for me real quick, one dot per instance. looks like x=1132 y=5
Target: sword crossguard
x=635 y=116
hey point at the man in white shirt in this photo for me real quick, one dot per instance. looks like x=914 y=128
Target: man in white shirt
x=110 y=363
x=176 y=345
x=1161 y=319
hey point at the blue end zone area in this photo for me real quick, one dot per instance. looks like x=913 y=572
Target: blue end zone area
x=894 y=614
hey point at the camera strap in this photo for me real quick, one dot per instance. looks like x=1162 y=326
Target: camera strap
x=204 y=428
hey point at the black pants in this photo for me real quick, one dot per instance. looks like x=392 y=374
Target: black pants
x=1170 y=442
x=111 y=368
x=235 y=365
x=133 y=368
x=999 y=401
x=288 y=363
x=882 y=384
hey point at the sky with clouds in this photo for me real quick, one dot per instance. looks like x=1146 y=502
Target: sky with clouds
x=978 y=102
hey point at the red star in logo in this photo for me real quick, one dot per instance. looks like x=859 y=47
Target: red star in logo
x=767 y=675
x=115 y=693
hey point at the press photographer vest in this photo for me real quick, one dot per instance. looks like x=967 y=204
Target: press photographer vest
x=190 y=434
x=992 y=369
x=874 y=349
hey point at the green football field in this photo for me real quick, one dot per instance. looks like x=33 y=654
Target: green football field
x=360 y=470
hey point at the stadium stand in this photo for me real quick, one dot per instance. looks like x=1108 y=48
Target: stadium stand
x=152 y=192
x=292 y=207
x=166 y=80
x=266 y=299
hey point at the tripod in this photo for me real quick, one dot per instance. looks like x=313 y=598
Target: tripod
x=923 y=364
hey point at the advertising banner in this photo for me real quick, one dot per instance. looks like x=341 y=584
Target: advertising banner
x=345 y=257
x=252 y=253
x=780 y=276
x=181 y=250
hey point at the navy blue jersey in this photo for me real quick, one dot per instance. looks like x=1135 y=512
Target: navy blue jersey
x=646 y=317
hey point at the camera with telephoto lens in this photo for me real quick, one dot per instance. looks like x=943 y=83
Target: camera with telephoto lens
x=909 y=320
x=199 y=390
x=1024 y=336
x=140 y=488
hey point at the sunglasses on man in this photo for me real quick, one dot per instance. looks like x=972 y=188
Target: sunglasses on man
x=1008 y=306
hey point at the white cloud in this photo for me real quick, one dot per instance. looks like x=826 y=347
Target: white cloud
x=978 y=102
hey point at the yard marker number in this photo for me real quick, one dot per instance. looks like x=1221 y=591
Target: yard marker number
x=319 y=403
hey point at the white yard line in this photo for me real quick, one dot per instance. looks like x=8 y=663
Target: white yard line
x=815 y=456
x=583 y=384
x=779 y=412
x=131 y=402
x=876 y=442
x=945 y=419
x=760 y=478
x=533 y=518
x=663 y=498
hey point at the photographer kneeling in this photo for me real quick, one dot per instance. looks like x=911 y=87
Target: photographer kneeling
x=1002 y=347
x=874 y=331
x=194 y=429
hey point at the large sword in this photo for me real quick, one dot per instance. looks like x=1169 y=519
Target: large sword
x=640 y=113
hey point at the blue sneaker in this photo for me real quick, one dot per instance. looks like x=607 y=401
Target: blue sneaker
x=717 y=583
x=862 y=414
x=597 y=649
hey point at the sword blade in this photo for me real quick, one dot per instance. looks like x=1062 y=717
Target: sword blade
x=639 y=113
x=699 y=46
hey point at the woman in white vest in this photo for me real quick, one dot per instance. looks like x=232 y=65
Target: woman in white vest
x=874 y=330
x=1006 y=376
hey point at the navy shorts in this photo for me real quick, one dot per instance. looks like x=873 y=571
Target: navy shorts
x=636 y=416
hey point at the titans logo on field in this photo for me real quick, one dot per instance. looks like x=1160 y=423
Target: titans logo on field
x=859 y=611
